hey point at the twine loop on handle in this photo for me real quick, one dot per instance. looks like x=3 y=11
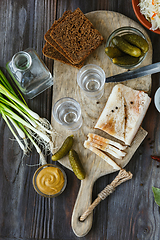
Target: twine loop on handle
x=122 y=176
x=106 y=192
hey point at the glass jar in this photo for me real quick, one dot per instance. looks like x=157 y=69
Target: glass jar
x=120 y=32
x=29 y=73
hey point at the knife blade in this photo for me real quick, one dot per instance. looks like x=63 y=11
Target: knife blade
x=143 y=71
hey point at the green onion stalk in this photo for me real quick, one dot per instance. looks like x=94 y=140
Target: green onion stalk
x=25 y=125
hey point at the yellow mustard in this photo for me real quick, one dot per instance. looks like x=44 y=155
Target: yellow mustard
x=50 y=180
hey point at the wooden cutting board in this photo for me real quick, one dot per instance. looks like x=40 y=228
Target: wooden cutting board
x=65 y=85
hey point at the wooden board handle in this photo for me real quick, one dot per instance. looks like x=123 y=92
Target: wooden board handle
x=122 y=176
x=83 y=201
x=81 y=228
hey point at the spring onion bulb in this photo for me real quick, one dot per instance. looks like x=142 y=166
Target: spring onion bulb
x=19 y=131
x=25 y=125
x=42 y=158
x=14 y=134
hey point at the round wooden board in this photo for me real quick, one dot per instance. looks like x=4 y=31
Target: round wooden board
x=65 y=85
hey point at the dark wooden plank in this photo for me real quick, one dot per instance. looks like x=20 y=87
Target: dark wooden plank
x=130 y=212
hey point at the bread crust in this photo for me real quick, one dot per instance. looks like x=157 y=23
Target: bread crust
x=51 y=41
x=50 y=52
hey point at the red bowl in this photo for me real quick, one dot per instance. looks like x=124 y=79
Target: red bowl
x=141 y=17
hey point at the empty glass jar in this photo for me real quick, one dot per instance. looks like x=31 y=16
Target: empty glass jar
x=29 y=73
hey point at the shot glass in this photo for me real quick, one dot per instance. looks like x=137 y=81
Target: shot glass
x=67 y=112
x=91 y=79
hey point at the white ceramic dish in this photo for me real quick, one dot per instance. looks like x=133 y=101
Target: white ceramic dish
x=157 y=99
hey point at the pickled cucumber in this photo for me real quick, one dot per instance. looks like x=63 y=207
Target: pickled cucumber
x=137 y=40
x=126 y=47
x=125 y=60
x=113 y=52
x=76 y=164
x=64 y=149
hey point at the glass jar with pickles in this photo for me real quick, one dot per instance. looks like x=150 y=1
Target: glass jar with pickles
x=127 y=47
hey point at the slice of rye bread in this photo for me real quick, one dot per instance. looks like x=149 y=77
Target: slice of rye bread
x=76 y=35
x=50 y=52
x=50 y=40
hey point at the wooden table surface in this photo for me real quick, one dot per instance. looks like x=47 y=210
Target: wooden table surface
x=130 y=213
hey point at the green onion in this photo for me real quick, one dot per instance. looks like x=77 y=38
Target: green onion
x=19 y=142
x=25 y=124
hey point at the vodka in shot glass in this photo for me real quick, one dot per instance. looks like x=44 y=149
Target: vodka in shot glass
x=67 y=112
x=91 y=79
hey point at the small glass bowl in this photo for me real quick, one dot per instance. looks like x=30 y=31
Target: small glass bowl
x=34 y=180
x=120 y=32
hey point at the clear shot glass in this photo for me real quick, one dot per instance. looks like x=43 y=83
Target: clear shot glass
x=67 y=112
x=91 y=79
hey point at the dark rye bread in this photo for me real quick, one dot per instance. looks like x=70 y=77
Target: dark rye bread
x=50 y=40
x=52 y=53
x=76 y=35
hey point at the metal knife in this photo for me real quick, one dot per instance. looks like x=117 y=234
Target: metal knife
x=143 y=71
